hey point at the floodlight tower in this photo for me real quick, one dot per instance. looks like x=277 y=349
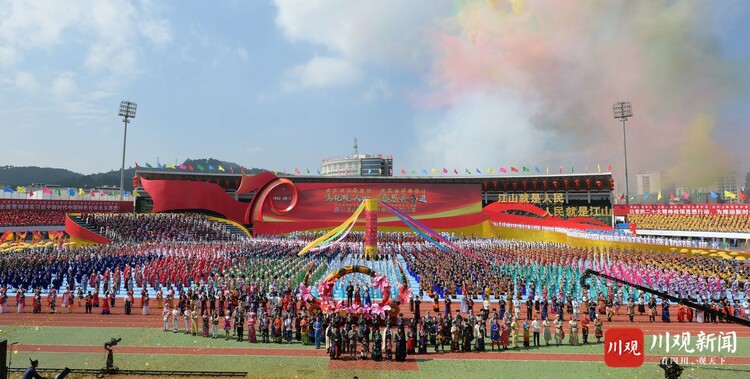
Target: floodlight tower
x=622 y=111
x=127 y=111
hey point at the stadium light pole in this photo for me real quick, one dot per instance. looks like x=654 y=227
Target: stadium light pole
x=622 y=111
x=127 y=111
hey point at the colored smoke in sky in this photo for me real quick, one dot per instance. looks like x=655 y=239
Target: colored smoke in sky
x=535 y=82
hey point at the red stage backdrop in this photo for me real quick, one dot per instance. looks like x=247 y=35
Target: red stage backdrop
x=71 y=206
x=683 y=209
x=323 y=205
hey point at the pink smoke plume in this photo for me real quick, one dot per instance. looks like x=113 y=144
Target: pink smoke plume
x=560 y=65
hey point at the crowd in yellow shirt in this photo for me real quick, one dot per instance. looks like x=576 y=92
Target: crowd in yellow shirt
x=693 y=223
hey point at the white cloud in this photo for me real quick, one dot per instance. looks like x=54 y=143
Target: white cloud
x=25 y=81
x=322 y=72
x=387 y=32
x=64 y=84
x=481 y=129
x=158 y=32
x=243 y=54
x=8 y=56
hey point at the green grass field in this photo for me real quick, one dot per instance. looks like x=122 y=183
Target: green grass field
x=431 y=366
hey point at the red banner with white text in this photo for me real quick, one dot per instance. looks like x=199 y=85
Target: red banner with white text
x=322 y=205
x=683 y=209
x=71 y=206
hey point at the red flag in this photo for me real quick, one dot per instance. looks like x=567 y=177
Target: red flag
x=560 y=169
x=190 y=167
x=513 y=169
x=403 y=171
x=455 y=171
x=101 y=193
x=742 y=196
x=609 y=168
x=47 y=191
x=136 y=165
x=671 y=196
x=92 y=193
x=622 y=196
x=296 y=171
x=31 y=193
x=445 y=170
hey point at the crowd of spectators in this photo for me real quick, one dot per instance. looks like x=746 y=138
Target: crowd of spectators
x=32 y=218
x=692 y=223
x=159 y=227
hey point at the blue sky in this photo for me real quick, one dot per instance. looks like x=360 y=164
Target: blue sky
x=282 y=84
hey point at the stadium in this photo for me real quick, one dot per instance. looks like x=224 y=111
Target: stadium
x=293 y=251
x=564 y=198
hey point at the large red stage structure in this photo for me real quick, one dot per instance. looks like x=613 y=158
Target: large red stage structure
x=279 y=204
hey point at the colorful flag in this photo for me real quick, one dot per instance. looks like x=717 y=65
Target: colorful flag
x=466 y=170
x=172 y=166
x=148 y=165
x=7 y=189
x=671 y=196
x=126 y=194
x=307 y=170
x=455 y=171
x=101 y=193
x=92 y=193
x=503 y=170
x=645 y=196
x=491 y=170
x=435 y=171
x=318 y=171
x=20 y=189
x=57 y=191
x=211 y=168
x=221 y=168
x=525 y=169
x=296 y=170
x=403 y=171
x=231 y=169
x=71 y=192
x=136 y=165
x=159 y=166
x=200 y=168
x=424 y=171
x=183 y=167
x=609 y=168
x=445 y=170
x=632 y=197
x=685 y=195
x=380 y=171
x=658 y=197
x=560 y=169
x=46 y=191
x=31 y=193
x=572 y=169
x=729 y=195
x=190 y=167
x=80 y=192
x=478 y=172
x=136 y=194
x=714 y=195
x=413 y=172
x=742 y=196
x=513 y=169
x=538 y=171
